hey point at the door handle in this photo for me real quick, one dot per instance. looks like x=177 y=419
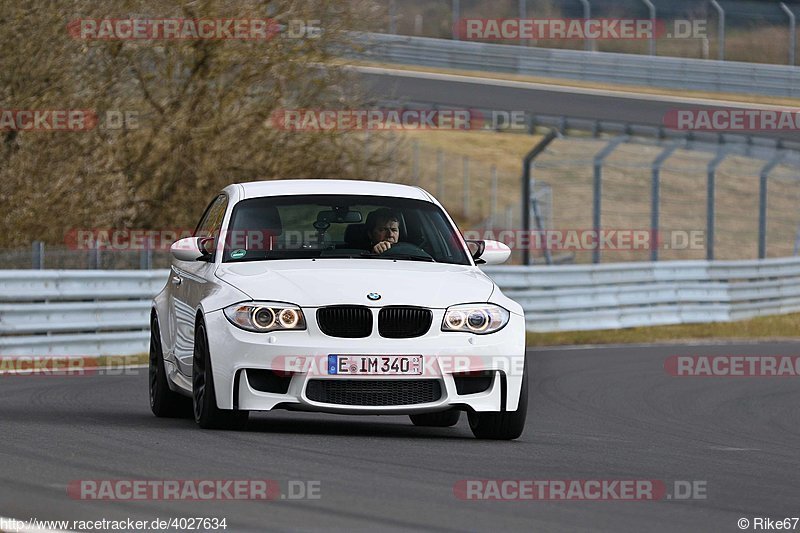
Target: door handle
x=176 y=280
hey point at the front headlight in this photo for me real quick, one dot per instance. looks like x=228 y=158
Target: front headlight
x=475 y=318
x=263 y=317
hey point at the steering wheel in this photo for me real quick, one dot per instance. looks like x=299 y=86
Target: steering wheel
x=406 y=248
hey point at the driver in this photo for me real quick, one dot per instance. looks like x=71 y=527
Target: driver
x=383 y=229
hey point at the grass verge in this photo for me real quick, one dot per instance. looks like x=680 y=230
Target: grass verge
x=122 y=361
x=767 y=327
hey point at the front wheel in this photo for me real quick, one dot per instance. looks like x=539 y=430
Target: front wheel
x=506 y=425
x=204 y=398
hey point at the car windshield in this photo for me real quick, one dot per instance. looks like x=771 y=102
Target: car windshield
x=341 y=226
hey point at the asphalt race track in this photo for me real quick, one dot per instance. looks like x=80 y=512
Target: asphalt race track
x=459 y=91
x=599 y=413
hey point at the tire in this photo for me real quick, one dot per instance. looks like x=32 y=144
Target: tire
x=164 y=402
x=445 y=419
x=204 y=398
x=506 y=425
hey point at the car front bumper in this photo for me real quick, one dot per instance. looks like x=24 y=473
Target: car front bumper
x=302 y=356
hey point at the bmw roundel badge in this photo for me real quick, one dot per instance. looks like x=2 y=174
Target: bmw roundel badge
x=373 y=296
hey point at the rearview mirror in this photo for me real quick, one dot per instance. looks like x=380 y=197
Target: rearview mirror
x=489 y=252
x=339 y=216
x=193 y=249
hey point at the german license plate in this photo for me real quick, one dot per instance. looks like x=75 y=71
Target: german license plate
x=375 y=364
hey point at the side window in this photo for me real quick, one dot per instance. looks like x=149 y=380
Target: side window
x=211 y=223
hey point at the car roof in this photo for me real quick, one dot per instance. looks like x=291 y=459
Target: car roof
x=255 y=189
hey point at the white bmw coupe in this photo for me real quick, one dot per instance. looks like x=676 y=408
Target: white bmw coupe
x=336 y=296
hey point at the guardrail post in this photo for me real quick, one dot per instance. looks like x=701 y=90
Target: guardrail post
x=37 y=255
x=762 y=203
x=597 y=188
x=526 y=192
x=792 y=32
x=710 y=201
x=656 y=199
x=652 y=39
x=588 y=44
x=720 y=30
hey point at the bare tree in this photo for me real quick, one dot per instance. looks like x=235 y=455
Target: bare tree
x=198 y=111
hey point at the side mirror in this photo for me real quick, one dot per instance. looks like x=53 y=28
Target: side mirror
x=489 y=252
x=193 y=249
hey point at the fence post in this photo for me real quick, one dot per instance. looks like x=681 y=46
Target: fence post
x=392 y=17
x=456 y=6
x=146 y=255
x=655 y=207
x=720 y=30
x=597 y=189
x=652 y=43
x=96 y=260
x=440 y=175
x=710 y=201
x=493 y=207
x=792 y=32
x=537 y=218
x=366 y=148
x=526 y=189
x=762 y=203
x=588 y=44
x=37 y=255
x=415 y=168
x=465 y=194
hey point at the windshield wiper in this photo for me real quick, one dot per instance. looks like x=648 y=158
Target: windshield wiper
x=346 y=255
x=408 y=257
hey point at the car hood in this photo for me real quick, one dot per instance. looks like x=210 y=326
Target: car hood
x=324 y=282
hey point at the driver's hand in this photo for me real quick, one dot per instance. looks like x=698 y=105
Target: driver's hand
x=381 y=247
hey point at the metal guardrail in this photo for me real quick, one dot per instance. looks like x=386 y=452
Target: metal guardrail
x=76 y=312
x=91 y=312
x=632 y=69
x=609 y=296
